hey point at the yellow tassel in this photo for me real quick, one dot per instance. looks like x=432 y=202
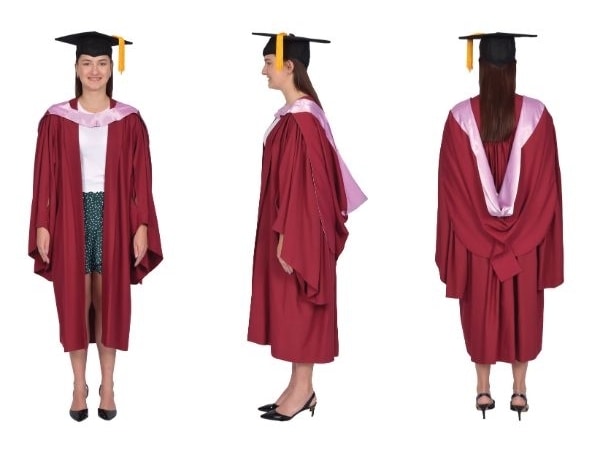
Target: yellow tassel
x=279 y=51
x=121 y=66
x=469 y=54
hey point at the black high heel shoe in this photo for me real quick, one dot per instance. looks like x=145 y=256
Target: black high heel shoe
x=274 y=415
x=483 y=407
x=519 y=408
x=106 y=414
x=80 y=414
x=268 y=407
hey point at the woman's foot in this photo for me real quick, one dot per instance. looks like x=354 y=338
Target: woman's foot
x=79 y=410
x=80 y=393
x=484 y=402
x=518 y=399
x=271 y=406
x=107 y=409
x=107 y=398
x=268 y=407
x=484 y=399
x=295 y=400
x=310 y=405
x=518 y=403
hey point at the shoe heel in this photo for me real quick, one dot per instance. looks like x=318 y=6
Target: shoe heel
x=312 y=409
x=519 y=408
x=484 y=406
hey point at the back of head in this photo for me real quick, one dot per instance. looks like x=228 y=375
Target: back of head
x=497 y=82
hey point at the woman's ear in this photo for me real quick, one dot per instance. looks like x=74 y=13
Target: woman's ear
x=289 y=66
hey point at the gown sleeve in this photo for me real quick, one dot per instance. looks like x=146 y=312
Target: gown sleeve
x=142 y=209
x=551 y=251
x=43 y=204
x=450 y=253
x=308 y=207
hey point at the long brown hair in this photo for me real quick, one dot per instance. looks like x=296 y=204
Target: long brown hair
x=497 y=86
x=302 y=81
x=109 y=84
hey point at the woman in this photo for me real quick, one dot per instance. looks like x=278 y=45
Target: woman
x=93 y=228
x=306 y=193
x=499 y=230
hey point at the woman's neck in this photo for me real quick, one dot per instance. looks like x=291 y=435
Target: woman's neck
x=94 y=101
x=291 y=95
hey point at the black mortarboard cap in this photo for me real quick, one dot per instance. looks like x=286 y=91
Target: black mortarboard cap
x=93 y=43
x=286 y=46
x=496 y=48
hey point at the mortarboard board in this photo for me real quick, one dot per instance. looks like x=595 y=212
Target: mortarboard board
x=496 y=48
x=289 y=46
x=93 y=43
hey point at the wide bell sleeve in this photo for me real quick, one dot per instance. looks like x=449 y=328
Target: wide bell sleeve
x=551 y=250
x=43 y=204
x=450 y=253
x=142 y=209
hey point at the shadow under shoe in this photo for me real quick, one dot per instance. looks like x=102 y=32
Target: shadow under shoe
x=519 y=408
x=79 y=415
x=268 y=407
x=483 y=407
x=106 y=414
x=274 y=415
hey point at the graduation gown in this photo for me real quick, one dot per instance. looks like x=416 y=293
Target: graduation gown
x=302 y=196
x=499 y=229
x=57 y=205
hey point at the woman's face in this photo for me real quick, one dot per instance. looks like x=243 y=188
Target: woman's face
x=94 y=72
x=277 y=78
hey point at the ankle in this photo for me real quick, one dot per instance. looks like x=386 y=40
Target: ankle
x=80 y=388
x=519 y=388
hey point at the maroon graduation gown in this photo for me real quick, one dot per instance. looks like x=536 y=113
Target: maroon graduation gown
x=499 y=266
x=302 y=196
x=57 y=205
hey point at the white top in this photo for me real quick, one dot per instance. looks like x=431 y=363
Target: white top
x=92 y=148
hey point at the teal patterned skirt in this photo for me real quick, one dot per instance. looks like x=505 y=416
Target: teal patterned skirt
x=93 y=211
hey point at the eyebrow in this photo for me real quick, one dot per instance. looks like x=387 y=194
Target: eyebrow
x=101 y=59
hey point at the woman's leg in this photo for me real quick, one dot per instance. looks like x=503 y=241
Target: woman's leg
x=107 y=355
x=285 y=393
x=299 y=390
x=483 y=383
x=79 y=359
x=519 y=370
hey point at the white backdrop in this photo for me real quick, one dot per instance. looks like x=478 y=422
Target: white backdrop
x=387 y=82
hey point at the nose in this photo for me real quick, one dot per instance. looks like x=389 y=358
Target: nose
x=264 y=70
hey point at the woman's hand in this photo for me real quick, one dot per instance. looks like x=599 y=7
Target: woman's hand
x=286 y=267
x=43 y=243
x=140 y=244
